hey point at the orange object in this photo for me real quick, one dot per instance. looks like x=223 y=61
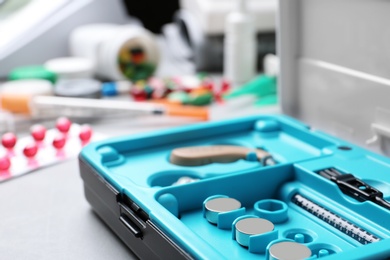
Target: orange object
x=16 y=103
x=187 y=111
x=165 y=101
x=36 y=104
x=199 y=91
x=176 y=108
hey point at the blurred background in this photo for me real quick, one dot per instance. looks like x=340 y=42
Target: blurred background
x=194 y=53
x=75 y=71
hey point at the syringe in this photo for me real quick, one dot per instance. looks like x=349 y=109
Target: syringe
x=82 y=107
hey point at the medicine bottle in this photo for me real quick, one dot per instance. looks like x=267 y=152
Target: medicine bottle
x=118 y=51
x=239 y=46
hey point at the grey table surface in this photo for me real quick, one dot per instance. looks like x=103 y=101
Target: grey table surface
x=44 y=214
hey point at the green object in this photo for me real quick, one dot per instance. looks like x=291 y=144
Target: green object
x=202 y=75
x=149 y=91
x=33 y=72
x=180 y=96
x=201 y=100
x=260 y=87
x=136 y=72
x=185 y=98
x=171 y=85
x=267 y=100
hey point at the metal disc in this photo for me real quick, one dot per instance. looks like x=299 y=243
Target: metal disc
x=222 y=205
x=289 y=251
x=254 y=226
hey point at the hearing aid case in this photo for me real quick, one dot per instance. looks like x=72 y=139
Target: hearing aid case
x=334 y=76
x=132 y=185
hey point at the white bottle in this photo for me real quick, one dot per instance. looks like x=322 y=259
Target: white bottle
x=109 y=46
x=240 y=46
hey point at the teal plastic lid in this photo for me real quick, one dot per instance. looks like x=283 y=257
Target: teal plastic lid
x=32 y=72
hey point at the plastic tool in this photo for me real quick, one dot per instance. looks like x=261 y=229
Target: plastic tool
x=355 y=187
x=84 y=107
x=202 y=155
x=345 y=226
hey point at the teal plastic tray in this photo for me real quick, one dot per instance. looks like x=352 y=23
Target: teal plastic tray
x=303 y=205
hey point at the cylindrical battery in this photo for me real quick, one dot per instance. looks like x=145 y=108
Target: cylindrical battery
x=251 y=226
x=219 y=205
x=288 y=251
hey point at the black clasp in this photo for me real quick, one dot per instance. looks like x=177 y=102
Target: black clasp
x=354 y=187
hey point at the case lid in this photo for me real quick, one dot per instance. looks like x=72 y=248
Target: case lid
x=335 y=65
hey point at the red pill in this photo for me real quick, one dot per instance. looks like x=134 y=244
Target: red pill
x=218 y=98
x=8 y=140
x=139 y=94
x=63 y=124
x=85 y=133
x=208 y=84
x=5 y=163
x=225 y=86
x=38 y=132
x=30 y=150
x=59 y=141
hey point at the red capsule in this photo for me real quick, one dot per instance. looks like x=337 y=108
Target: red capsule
x=85 y=133
x=59 y=141
x=38 y=132
x=5 y=163
x=30 y=150
x=139 y=94
x=63 y=124
x=208 y=84
x=8 y=140
x=225 y=86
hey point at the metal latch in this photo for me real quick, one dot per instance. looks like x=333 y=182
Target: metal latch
x=130 y=219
